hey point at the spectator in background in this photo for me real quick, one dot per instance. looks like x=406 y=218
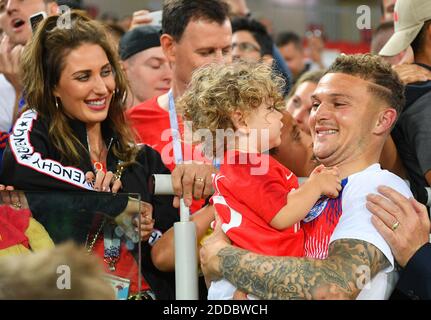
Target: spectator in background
x=387 y=7
x=14 y=20
x=239 y=8
x=35 y=276
x=299 y=102
x=412 y=133
x=250 y=41
x=296 y=148
x=380 y=37
x=195 y=33
x=147 y=69
x=290 y=46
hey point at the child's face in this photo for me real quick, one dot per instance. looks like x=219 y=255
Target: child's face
x=265 y=125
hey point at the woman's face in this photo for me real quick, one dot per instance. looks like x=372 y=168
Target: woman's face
x=299 y=105
x=86 y=84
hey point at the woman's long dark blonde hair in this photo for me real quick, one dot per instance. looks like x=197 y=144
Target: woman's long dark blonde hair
x=42 y=63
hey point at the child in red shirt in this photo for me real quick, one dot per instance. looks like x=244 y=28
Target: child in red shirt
x=257 y=199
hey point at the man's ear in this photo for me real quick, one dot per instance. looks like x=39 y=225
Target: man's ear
x=168 y=46
x=385 y=121
x=239 y=122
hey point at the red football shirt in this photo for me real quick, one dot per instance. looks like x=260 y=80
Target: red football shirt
x=250 y=190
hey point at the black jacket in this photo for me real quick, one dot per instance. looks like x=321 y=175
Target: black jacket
x=415 y=280
x=411 y=136
x=32 y=163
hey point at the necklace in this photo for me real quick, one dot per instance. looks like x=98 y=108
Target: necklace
x=98 y=162
x=90 y=245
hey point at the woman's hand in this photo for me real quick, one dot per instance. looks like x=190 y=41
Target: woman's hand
x=15 y=199
x=104 y=182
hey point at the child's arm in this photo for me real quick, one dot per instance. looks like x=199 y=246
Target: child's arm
x=299 y=202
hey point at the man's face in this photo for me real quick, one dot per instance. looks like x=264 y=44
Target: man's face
x=388 y=10
x=149 y=74
x=202 y=43
x=245 y=47
x=14 y=18
x=294 y=58
x=342 y=119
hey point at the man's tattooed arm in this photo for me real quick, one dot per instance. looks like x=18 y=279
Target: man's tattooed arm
x=340 y=276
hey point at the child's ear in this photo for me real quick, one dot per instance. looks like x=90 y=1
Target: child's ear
x=239 y=122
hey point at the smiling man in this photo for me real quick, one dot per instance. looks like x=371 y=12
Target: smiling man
x=354 y=109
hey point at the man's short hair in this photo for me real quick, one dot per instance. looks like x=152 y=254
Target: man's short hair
x=387 y=85
x=284 y=38
x=258 y=31
x=178 y=13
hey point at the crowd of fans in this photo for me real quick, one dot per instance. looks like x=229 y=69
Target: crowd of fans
x=101 y=106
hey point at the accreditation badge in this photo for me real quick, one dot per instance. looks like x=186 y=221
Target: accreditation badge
x=120 y=285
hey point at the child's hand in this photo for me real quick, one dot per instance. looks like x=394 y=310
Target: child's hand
x=327 y=180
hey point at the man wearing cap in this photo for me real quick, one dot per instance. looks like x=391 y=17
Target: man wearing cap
x=146 y=66
x=412 y=133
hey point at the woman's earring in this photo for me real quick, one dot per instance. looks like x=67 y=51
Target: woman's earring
x=56 y=102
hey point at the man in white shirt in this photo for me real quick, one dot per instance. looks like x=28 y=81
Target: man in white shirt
x=355 y=107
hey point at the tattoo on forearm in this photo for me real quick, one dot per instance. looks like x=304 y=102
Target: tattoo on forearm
x=336 y=277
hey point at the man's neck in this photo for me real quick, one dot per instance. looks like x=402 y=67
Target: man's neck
x=355 y=164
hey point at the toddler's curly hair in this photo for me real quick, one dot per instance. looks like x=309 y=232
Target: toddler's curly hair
x=217 y=91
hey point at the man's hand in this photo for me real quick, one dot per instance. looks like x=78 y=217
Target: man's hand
x=410 y=73
x=402 y=222
x=210 y=263
x=9 y=62
x=192 y=180
x=140 y=18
